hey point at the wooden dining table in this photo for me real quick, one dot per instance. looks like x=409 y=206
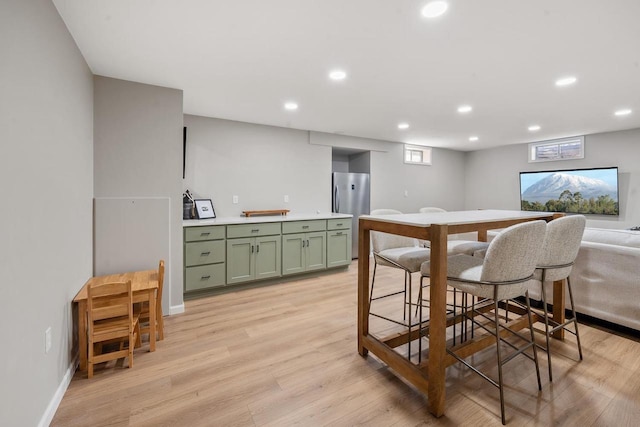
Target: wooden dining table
x=144 y=285
x=428 y=374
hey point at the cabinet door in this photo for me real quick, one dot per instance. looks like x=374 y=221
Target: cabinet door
x=240 y=260
x=267 y=257
x=316 y=251
x=338 y=248
x=292 y=253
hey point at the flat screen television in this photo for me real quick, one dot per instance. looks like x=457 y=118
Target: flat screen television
x=584 y=191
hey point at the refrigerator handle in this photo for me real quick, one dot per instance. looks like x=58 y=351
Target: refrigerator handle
x=336 y=199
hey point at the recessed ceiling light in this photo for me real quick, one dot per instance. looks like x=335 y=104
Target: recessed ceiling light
x=566 y=81
x=403 y=126
x=624 y=112
x=290 y=106
x=434 y=9
x=337 y=75
x=473 y=138
x=465 y=109
x=534 y=128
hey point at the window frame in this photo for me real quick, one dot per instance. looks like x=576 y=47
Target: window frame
x=532 y=151
x=425 y=154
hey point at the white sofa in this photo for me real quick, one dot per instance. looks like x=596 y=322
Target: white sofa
x=606 y=276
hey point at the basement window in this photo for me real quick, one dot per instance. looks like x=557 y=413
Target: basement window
x=416 y=155
x=557 y=149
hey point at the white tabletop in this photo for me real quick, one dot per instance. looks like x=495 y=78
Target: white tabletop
x=457 y=217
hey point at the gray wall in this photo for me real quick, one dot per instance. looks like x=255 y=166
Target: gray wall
x=492 y=176
x=138 y=153
x=407 y=187
x=360 y=163
x=260 y=164
x=46 y=186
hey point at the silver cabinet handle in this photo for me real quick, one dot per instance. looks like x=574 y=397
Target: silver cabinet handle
x=257 y=248
x=255 y=230
x=205 y=234
x=205 y=253
x=339 y=233
x=205 y=277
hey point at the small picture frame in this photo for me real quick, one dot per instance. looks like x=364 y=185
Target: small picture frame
x=204 y=209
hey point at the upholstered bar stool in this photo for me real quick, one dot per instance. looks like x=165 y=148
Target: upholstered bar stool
x=503 y=274
x=400 y=252
x=560 y=249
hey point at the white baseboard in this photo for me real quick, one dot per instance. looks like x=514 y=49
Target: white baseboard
x=48 y=415
x=176 y=309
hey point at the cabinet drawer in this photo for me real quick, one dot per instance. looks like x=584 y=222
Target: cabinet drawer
x=206 y=276
x=194 y=234
x=199 y=253
x=303 y=226
x=253 y=230
x=338 y=224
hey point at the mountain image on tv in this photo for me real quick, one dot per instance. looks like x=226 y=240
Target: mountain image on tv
x=570 y=191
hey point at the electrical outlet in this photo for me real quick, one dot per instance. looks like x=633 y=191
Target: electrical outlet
x=235 y=199
x=286 y=199
x=47 y=340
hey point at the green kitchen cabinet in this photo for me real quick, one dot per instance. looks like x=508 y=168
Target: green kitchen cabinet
x=253 y=258
x=230 y=253
x=338 y=242
x=204 y=258
x=304 y=246
x=302 y=252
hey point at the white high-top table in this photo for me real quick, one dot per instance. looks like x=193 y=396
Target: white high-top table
x=429 y=375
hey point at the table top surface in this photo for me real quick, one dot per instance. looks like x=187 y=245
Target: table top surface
x=457 y=217
x=140 y=281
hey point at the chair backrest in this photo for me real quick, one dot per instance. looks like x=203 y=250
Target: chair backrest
x=431 y=210
x=160 y=285
x=108 y=301
x=381 y=241
x=561 y=245
x=514 y=253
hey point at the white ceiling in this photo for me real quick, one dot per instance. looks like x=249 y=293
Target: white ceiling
x=242 y=59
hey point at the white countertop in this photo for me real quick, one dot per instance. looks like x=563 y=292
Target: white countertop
x=258 y=219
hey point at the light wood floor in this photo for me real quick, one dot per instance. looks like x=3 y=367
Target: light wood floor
x=286 y=354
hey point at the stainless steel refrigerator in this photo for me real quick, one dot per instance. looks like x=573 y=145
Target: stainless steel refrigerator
x=351 y=196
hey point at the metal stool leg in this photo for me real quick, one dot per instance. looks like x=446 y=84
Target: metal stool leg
x=497 y=318
x=575 y=318
x=546 y=325
x=373 y=279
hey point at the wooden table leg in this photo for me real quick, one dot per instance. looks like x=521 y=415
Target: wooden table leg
x=558 y=307
x=438 y=320
x=82 y=334
x=152 y=322
x=363 y=287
